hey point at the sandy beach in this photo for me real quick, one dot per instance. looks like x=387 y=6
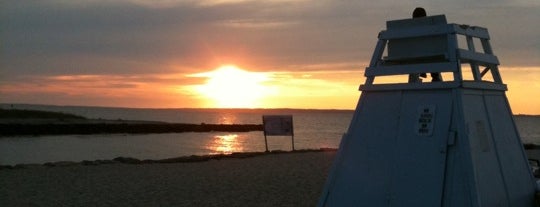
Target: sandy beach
x=273 y=179
x=286 y=179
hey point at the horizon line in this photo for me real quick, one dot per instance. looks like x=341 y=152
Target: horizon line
x=209 y=108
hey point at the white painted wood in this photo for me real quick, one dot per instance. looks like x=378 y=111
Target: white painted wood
x=412 y=68
x=479 y=58
x=448 y=144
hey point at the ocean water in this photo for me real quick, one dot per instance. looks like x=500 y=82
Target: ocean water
x=313 y=129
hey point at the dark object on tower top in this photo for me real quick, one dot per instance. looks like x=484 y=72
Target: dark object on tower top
x=419 y=12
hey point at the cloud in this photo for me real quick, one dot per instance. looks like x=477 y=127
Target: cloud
x=103 y=90
x=100 y=52
x=128 y=38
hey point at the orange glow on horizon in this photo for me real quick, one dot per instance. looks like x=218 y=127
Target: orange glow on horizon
x=232 y=87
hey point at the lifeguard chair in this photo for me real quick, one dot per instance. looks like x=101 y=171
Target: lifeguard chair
x=449 y=141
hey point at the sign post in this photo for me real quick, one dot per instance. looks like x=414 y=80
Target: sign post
x=278 y=125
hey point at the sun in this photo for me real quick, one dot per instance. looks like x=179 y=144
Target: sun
x=231 y=87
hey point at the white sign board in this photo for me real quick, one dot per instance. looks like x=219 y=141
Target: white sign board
x=278 y=125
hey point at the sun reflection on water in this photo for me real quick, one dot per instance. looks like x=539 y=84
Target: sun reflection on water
x=226 y=144
x=227 y=118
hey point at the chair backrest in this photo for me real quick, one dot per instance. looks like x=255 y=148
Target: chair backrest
x=417 y=49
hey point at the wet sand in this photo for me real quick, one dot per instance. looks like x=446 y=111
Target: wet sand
x=280 y=179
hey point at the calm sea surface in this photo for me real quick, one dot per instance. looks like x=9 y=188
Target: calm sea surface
x=313 y=129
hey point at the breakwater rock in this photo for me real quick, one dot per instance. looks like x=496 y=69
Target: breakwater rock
x=10 y=129
x=15 y=122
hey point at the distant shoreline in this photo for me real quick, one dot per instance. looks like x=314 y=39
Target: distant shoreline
x=25 y=106
x=33 y=106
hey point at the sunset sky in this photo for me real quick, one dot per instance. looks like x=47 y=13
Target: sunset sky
x=196 y=53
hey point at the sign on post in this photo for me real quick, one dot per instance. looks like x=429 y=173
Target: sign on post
x=278 y=125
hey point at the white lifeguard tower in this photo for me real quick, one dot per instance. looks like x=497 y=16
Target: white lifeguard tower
x=450 y=141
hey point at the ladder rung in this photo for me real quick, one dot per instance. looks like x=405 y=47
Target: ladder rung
x=478 y=57
x=411 y=68
x=484 y=71
x=466 y=30
x=416 y=32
